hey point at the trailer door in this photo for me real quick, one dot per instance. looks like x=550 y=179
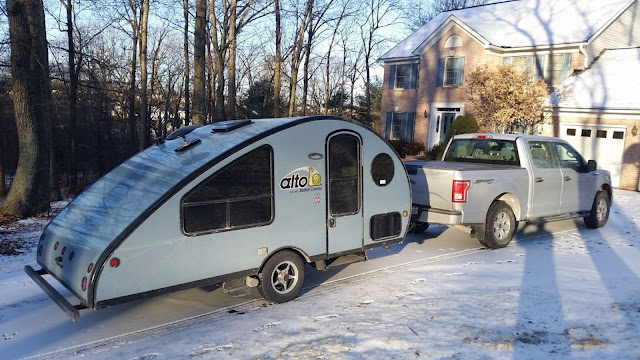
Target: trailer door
x=344 y=217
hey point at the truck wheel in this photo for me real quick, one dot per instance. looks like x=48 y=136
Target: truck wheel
x=282 y=277
x=599 y=213
x=420 y=227
x=500 y=227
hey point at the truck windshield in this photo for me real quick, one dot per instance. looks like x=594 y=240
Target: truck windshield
x=483 y=151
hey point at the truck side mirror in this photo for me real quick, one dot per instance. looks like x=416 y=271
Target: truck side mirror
x=592 y=165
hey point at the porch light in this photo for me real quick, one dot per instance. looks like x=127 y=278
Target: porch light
x=634 y=131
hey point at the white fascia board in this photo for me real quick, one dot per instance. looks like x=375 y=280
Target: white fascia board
x=442 y=29
x=535 y=50
x=608 y=23
x=631 y=114
x=400 y=61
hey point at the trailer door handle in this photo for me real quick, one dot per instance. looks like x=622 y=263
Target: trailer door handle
x=567 y=178
x=539 y=179
x=332 y=222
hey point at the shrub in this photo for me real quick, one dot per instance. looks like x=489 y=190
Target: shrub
x=464 y=124
x=435 y=153
x=404 y=148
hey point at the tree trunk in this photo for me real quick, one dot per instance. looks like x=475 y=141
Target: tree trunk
x=144 y=121
x=198 y=64
x=218 y=46
x=187 y=115
x=296 y=59
x=73 y=97
x=307 y=57
x=31 y=95
x=278 y=65
x=232 y=60
x=132 y=80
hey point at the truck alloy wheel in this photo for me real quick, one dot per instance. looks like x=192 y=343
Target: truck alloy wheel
x=500 y=227
x=282 y=277
x=599 y=213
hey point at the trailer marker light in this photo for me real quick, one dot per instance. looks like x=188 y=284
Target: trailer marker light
x=55 y=247
x=459 y=190
x=405 y=213
x=71 y=255
x=90 y=268
x=64 y=249
x=84 y=283
x=115 y=262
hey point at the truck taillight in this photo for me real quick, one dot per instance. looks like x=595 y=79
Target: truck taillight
x=459 y=191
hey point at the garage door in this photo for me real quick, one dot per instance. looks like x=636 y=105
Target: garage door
x=604 y=144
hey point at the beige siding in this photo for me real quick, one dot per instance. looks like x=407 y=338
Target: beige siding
x=622 y=33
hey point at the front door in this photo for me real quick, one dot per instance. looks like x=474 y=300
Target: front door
x=447 y=120
x=344 y=217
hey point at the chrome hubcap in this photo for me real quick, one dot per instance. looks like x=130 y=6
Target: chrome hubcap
x=284 y=277
x=501 y=226
x=601 y=209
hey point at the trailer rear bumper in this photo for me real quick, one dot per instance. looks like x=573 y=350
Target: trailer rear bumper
x=71 y=310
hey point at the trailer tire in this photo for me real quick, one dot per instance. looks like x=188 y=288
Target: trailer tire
x=282 y=276
x=420 y=227
x=599 y=213
x=500 y=226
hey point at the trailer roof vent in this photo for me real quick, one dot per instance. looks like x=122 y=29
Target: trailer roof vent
x=182 y=132
x=229 y=125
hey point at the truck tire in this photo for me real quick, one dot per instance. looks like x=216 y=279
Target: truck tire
x=500 y=226
x=599 y=213
x=420 y=227
x=282 y=277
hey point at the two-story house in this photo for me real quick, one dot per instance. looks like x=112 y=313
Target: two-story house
x=424 y=75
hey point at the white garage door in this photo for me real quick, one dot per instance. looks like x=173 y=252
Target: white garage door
x=602 y=143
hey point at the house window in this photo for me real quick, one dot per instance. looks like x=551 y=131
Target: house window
x=585 y=133
x=554 y=69
x=521 y=63
x=618 y=135
x=453 y=70
x=240 y=195
x=601 y=134
x=403 y=76
x=400 y=126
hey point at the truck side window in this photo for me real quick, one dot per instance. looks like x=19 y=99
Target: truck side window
x=541 y=155
x=239 y=195
x=569 y=158
x=382 y=169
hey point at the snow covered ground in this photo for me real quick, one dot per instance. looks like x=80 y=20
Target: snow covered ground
x=568 y=292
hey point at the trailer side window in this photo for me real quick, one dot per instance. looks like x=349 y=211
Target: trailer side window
x=239 y=195
x=382 y=169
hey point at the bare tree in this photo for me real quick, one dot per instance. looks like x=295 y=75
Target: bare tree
x=418 y=12
x=277 y=82
x=187 y=114
x=144 y=116
x=199 y=115
x=31 y=95
x=296 y=56
x=327 y=94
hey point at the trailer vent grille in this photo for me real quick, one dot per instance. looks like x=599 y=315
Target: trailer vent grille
x=229 y=125
x=384 y=226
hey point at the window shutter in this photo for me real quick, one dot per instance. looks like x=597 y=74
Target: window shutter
x=410 y=126
x=566 y=66
x=387 y=127
x=403 y=126
x=539 y=66
x=414 y=76
x=392 y=76
x=440 y=72
x=460 y=70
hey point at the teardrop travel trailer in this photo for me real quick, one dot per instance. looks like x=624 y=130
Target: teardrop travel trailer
x=240 y=199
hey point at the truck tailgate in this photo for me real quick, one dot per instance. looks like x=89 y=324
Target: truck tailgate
x=436 y=192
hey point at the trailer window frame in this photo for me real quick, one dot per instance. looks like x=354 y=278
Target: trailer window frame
x=198 y=199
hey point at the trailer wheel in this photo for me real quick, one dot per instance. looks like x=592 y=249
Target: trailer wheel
x=420 y=227
x=282 y=277
x=599 y=213
x=500 y=226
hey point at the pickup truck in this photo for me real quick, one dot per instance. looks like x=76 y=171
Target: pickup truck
x=487 y=183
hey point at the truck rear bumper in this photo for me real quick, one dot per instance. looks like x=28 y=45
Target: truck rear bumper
x=71 y=310
x=430 y=215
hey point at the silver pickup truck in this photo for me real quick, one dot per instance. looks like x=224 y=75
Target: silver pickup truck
x=489 y=182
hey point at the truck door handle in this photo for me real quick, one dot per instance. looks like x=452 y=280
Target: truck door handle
x=539 y=179
x=567 y=178
x=332 y=222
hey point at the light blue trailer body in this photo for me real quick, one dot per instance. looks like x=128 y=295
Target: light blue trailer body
x=129 y=234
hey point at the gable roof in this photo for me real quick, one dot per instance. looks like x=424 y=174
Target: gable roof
x=521 y=23
x=612 y=82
